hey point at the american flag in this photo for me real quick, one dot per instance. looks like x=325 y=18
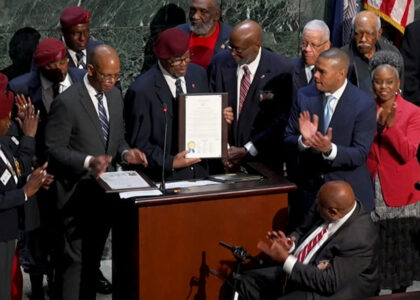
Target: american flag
x=399 y=13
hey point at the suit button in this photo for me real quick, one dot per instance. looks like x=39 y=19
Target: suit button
x=322 y=176
x=192 y=168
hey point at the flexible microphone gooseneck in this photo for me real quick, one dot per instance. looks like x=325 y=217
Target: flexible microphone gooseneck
x=162 y=185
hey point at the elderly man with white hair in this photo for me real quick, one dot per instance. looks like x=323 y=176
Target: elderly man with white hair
x=366 y=42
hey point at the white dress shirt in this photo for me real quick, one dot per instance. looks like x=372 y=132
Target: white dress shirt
x=337 y=95
x=332 y=227
x=47 y=89
x=170 y=80
x=252 y=67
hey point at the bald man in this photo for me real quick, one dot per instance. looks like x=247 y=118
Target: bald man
x=84 y=138
x=367 y=34
x=341 y=264
x=259 y=84
x=331 y=129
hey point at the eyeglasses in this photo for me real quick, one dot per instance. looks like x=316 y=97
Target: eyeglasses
x=107 y=77
x=305 y=44
x=236 y=49
x=180 y=61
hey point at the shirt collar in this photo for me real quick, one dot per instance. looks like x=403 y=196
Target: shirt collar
x=91 y=90
x=343 y=219
x=168 y=76
x=253 y=66
x=339 y=92
x=46 y=83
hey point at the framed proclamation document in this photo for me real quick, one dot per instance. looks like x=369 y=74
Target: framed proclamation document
x=202 y=128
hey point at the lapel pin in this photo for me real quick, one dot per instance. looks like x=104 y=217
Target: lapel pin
x=262 y=76
x=193 y=85
x=222 y=46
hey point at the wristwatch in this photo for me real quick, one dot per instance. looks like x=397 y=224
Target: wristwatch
x=328 y=152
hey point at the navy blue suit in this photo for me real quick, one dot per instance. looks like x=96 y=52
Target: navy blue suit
x=266 y=107
x=89 y=48
x=145 y=120
x=299 y=75
x=354 y=125
x=222 y=39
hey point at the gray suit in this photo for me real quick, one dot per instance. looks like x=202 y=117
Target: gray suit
x=73 y=131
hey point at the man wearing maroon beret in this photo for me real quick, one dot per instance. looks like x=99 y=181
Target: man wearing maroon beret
x=15 y=164
x=74 y=22
x=42 y=85
x=152 y=97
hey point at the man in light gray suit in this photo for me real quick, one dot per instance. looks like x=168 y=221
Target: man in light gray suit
x=84 y=138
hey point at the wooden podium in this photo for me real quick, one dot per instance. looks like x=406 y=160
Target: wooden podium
x=164 y=247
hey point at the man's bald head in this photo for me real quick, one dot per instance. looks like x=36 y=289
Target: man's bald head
x=335 y=199
x=245 y=41
x=367 y=31
x=103 y=68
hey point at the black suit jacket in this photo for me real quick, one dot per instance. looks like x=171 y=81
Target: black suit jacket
x=351 y=253
x=410 y=52
x=29 y=85
x=145 y=119
x=73 y=131
x=12 y=196
x=267 y=104
x=299 y=75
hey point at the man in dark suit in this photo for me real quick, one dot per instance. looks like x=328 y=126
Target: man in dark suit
x=74 y=30
x=15 y=165
x=332 y=255
x=366 y=42
x=259 y=84
x=151 y=104
x=51 y=77
x=84 y=138
x=331 y=127
x=410 y=52
x=208 y=35
x=315 y=40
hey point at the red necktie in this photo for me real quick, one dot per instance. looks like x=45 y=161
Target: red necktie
x=309 y=246
x=245 y=84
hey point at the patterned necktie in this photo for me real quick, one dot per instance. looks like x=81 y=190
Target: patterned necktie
x=312 y=75
x=102 y=116
x=328 y=112
x=309 y=246
x=80 y=63
x=245 y=84
x=56 y=89
x=178 y=86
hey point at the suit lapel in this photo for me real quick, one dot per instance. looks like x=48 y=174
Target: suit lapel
x=300 y=74
x=88 y=106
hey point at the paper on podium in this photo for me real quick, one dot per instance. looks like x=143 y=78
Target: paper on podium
x=122 y=181
x=142 y=193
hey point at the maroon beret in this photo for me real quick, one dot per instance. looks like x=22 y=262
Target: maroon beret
x=74 y=15
x=6 y=98
x=49 y=50
x=172 y=42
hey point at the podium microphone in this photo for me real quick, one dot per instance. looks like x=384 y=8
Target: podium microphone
x=241 y=253
x=162 y=185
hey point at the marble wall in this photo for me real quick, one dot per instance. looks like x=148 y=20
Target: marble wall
x=125 y=24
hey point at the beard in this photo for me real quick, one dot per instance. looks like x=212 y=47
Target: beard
x=201 y=28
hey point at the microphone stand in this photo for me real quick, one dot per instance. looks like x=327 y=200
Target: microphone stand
x=241 y=254
x=162 y=185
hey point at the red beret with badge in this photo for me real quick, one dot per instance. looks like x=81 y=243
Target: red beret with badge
x=74 y=15
x=49 y=50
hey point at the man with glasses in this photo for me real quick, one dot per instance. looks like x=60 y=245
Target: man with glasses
x=84 y=138
x=259 y=84
x=366 y=41
x=150 y=105
x=315 y=40
x=208 y=36
x=74 y=30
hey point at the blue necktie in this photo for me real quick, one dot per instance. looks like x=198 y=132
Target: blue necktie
x=102 y=116
x=328 y=112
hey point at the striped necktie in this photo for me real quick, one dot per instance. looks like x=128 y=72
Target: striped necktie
x=80 y=63
x=178 y=86
x=245 y=84
x=102 y=116
x=309 y=246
